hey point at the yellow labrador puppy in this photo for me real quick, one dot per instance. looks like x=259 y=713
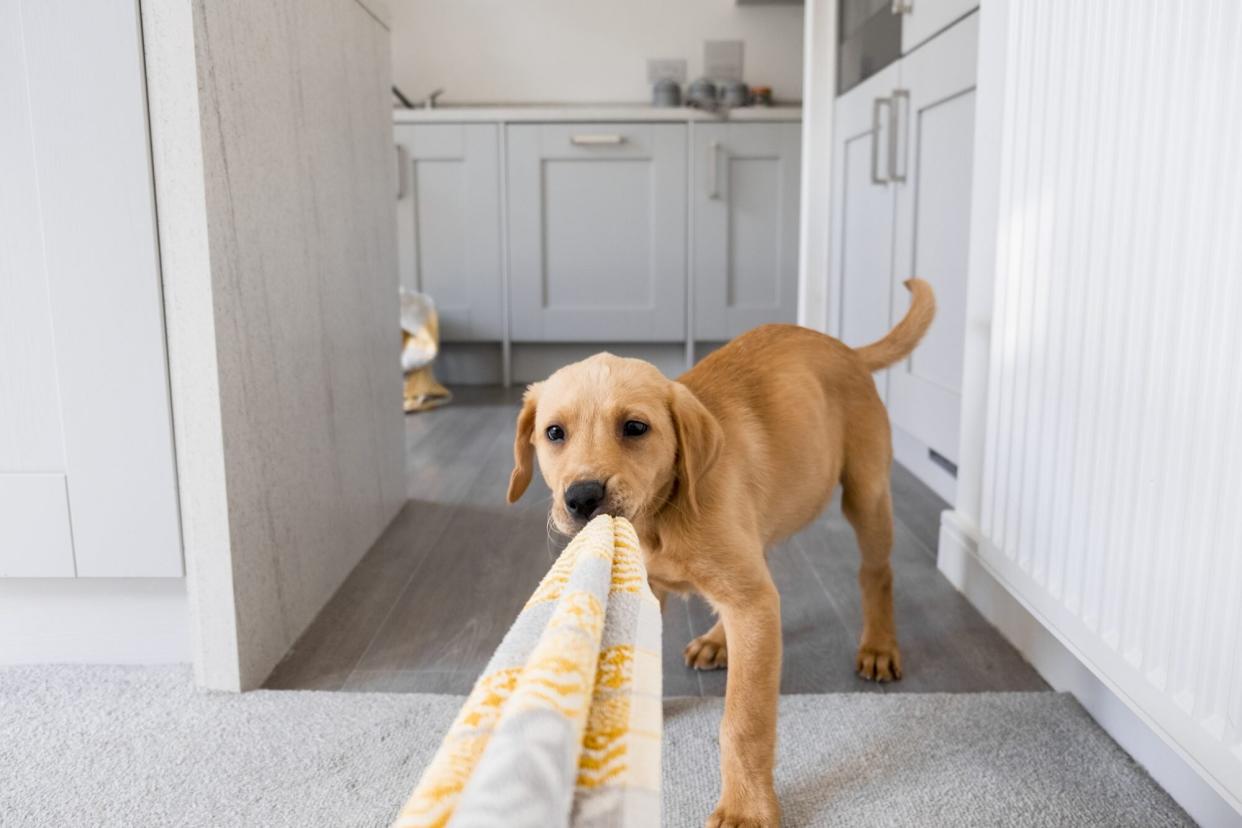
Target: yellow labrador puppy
x=713 y=470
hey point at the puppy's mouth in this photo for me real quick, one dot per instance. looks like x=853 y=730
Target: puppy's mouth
x=570 y=523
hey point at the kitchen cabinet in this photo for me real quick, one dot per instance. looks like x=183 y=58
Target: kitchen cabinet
x=935 y=141
x=88 y=485
x=544 y=232
x=448 y=218
x=597 y=232
x=903 y=151
x=923 y=19
x=863 y=214
x=744 y=188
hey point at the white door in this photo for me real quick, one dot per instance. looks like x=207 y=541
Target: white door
x=448 y=224
x=935 y=116
x=924 y=19
x=744 y=188
x=87 y=482
x=862 y=214
x=597 y=232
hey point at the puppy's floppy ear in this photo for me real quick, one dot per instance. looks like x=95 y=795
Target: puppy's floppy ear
x=524 y=445
x=699 y=440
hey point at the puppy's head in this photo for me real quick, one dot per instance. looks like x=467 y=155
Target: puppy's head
x=613 y=436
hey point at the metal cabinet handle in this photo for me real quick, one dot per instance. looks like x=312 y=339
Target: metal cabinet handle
x=713 y=171
x=594 y=140
x=896 y=143
x=902 y=6
x=876 y=125
x=403 y=161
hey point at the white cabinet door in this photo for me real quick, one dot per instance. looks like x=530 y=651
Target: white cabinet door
x=934 y=162
x=923 y=19
x=448 y=224
x=744 y=186
x=863 y=203
x=597 y=232
x=87 y=481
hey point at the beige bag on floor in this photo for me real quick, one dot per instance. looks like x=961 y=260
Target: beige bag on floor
x=420 y=343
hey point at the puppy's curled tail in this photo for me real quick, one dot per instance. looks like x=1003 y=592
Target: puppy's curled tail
x=901 y=340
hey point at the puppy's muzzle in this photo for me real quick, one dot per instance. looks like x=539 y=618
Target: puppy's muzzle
x=583 y=498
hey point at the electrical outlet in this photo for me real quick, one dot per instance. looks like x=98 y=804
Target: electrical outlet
x=722 y=60
x=673 y=69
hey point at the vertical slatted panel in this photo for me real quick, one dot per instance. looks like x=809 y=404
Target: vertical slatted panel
x=1226 y=638
x=1113 y=458
x=1150 y=179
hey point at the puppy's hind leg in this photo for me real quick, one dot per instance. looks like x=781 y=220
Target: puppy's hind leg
x=708 y=651
x=868 y=506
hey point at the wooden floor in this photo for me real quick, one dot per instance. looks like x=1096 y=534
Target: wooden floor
x=425 y=608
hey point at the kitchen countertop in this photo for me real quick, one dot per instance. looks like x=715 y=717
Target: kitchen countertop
x=603 y=113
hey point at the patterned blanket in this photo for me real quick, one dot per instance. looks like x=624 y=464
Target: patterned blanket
x=563 y=727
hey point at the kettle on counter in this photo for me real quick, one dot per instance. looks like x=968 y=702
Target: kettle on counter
x=666 y=92
x=733 y=94
x=702 y=94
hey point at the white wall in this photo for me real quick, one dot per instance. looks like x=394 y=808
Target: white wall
x=274 y=170
x=1099 y=482
x=581 y=51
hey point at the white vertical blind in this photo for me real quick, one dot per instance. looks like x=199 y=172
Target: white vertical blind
x=1112 y=480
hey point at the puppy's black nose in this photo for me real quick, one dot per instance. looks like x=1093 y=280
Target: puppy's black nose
x=583 y=497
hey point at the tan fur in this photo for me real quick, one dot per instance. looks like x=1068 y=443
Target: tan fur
x=743 y=451
x=901 y=340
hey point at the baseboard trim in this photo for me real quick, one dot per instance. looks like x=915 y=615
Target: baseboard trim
x=94 y=621
x=1063 y=667
x=912 y=453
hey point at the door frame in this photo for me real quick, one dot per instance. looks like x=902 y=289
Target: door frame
x=819 y=94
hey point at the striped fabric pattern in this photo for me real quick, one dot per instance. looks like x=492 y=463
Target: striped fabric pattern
x=564 y=725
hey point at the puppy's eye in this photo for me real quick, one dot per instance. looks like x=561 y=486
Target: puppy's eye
x=633 y=428
x=555 y=433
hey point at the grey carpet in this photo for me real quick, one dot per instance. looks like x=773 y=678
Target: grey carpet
x=108 y=746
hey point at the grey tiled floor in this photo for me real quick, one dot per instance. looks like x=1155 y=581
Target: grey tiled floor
x=425 y=608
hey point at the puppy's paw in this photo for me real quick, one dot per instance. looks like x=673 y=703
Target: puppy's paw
x=706 y=653
x=750 y=815
x=878 y=662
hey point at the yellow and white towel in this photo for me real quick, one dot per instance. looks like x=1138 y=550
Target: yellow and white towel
x=563 y=727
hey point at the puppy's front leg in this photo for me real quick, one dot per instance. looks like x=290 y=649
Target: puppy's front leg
x=750 y=608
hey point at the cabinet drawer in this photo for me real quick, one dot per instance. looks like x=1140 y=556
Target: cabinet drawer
x=448 y=224
x=597 y=232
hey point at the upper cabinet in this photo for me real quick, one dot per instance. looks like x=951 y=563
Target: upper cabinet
x=597 y=232
x=448 y=216
x=744 y=189
x=923 y=19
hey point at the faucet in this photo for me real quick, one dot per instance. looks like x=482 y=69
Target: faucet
x=430 y=102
